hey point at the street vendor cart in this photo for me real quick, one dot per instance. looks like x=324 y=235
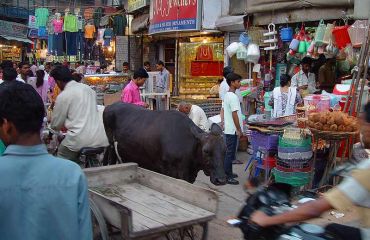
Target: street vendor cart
x=135 y=203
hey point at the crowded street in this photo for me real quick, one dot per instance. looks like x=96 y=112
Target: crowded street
x=185 y=120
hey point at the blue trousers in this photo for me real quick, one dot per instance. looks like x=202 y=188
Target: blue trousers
x=51 y=43
x=58 y=44
x=80 y=42
x=231 y=141
x=71 y=43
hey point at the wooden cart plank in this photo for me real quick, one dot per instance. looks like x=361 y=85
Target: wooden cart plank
x=164 y=203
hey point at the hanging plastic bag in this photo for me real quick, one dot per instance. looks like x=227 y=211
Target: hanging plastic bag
x=253 y=53
x=232 y=49
x=244 y=38
x=328 y=33
x=302 y=41
x=357 y=32
x=320 y=32
x=241 y=53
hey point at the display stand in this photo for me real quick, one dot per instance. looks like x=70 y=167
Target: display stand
x=334 y=141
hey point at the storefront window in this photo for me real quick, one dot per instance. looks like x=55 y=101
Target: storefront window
x=200 y=67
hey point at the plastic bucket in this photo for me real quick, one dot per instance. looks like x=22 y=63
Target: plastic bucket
x=341 y=36
x=286 y=34
x=244 y=38
x=294 y=44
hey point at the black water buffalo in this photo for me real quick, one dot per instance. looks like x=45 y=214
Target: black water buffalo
x=166 y=142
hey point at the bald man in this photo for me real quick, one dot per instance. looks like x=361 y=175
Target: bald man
x=196 y=114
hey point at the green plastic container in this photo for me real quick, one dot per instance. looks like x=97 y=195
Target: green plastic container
x=296 y=179
x=2 y=148
x=286 y=142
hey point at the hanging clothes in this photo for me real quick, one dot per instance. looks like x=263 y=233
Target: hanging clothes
x=89 y=31
x=104 y=21
x=42 y=15
x=89 y=12
x=100 y=37
x=119 y=25
x=98 y=14
x=80 y=23
x=58 y=26
x=108 y=35
x=70 y=23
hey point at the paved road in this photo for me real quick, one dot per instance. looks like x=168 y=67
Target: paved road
x=231 y=198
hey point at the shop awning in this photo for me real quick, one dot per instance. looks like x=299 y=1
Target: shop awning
x=25 y=40
x=140 y=23
x=230 y=23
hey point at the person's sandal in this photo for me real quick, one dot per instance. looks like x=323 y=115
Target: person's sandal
x=232 y=181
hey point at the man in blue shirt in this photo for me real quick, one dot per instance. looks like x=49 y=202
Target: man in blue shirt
x=41 y=196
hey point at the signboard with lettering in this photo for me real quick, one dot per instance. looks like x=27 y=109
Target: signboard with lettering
x=32 y=21
x=206 y=68
x=169 y=15
x=121 y=51
x=136 y=4
x=13 y=29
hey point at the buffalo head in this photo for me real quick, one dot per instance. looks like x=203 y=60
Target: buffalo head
x=213 y=154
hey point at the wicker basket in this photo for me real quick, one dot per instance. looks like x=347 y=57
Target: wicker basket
x=256 y=35
x=329 y=135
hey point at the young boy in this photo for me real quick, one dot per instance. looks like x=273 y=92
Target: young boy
x=233 y=124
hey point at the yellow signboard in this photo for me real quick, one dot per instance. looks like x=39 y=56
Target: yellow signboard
x=136 y=4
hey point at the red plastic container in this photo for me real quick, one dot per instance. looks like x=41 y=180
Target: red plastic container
x=341 y=36
x=269 y=162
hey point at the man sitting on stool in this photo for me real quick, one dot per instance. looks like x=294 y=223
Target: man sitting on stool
x=196 y=114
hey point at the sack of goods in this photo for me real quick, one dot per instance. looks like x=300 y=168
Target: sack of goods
x=294 y=161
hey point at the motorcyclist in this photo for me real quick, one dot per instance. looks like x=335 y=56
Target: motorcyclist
x=352 y=192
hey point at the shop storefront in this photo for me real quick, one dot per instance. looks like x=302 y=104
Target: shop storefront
x=13 y=40
x=197 y=51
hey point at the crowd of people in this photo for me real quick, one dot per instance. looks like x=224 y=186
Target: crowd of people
x=35 y=179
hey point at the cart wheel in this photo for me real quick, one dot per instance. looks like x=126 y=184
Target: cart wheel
x=100 y=231
x=195 y=232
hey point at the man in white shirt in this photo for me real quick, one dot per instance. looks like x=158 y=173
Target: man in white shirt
x=76 y=109
x=233 y=124
x=24 y=72
x=304 y=80
x=196 y=114
x=224 y=87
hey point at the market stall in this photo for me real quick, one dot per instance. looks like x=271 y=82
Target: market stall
x=108 y=87
x=327 y=63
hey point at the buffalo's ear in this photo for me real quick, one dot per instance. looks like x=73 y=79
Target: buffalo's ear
x=195 y=131
x=216 y=129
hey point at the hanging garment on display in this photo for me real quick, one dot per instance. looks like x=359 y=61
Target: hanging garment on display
x=108 y=35
x=50 y=29
x=58 y=26
x=80 y=23
x=88 y=13
x=88 y=48
x=70 y=23
x=42 y=15
x=58 y=44
x=89 y=31
x=98 y=13
x=104 y=21
x=119 y=25
x=100 y=37
x=80 y=42
x=71 y=43
x=42 y=33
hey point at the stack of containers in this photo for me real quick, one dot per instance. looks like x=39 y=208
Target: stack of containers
x=294 y=163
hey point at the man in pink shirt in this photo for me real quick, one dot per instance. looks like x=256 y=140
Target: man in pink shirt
x=131 y=93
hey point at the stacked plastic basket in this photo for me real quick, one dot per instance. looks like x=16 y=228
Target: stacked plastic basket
x=294 y=163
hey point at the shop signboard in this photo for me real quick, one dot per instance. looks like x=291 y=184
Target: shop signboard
x=206 y=68
x=134 y=5
x=121 y=43
x=169 y=16
x=13 y=29
x=32 y=21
